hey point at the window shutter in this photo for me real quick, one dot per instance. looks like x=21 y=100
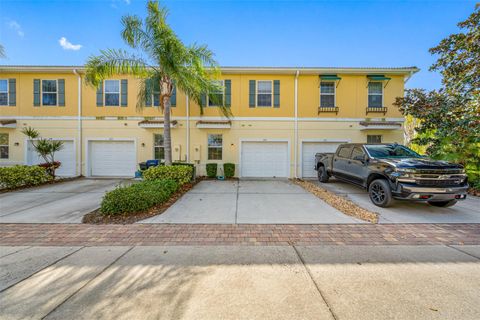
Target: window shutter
x=204 y=100
x=36 y=92
x=228 y=93
x=148 y=93
x=12 y=92
x=276 y=93
x=100 y=95
x=61 y=92
x=173 y=98
x=124 y=93
x=251 y=100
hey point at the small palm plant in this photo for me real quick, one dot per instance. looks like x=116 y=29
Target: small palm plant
x=164 y=62
x=46 y=149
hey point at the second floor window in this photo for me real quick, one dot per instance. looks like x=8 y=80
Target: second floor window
x=374 y=138
x=49 y=92
x=158 y=147
x=3 y=145
x=327 y=95
x=112 y=93
x=264 y=93
x=3 y=92
x=216 y=98
x=215 y=142
x=375 y=95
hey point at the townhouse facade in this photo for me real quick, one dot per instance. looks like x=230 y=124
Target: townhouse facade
x=280 y=118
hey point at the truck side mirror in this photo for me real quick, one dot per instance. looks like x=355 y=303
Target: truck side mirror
x=361 y=158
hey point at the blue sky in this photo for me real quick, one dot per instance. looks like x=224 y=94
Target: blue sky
x=243 y=33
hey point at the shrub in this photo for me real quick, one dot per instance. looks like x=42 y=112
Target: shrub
x=229 y=170
x=211 y=170
x=22 y=176
x=191 y=165
x=180 y=174
x=137 y=197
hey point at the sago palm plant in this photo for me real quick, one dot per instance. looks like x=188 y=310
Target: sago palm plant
x=163 y=61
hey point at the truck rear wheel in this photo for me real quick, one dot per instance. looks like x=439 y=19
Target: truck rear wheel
x=380 y=193
x=443 y=204
x=322 y=174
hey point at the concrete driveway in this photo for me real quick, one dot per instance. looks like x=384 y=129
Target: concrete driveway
x=240 y=282
x=250 y=201
x=466 y=211
x=65 y=202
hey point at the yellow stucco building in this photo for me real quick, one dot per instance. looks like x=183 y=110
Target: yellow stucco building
x=281 y=118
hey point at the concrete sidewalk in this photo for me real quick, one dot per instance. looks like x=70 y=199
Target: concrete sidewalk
x=232 y=282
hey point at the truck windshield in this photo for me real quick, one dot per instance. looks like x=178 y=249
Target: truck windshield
x=390 y=151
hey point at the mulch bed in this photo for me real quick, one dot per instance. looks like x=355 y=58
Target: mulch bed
x=474 y=192
x=96 y=217
x=60 y=180
x=338 y=202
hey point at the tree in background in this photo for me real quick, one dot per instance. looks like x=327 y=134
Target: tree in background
x=46 y=149
x=448 y=120
x=167 y=63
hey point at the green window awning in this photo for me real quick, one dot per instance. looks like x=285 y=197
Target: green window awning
x=330 y=77
x=378 y=77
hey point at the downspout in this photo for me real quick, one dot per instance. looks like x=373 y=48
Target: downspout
x=79 y=123
x=295 y=142
x=188 y=128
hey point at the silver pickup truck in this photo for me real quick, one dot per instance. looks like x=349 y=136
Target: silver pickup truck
x=393 y=171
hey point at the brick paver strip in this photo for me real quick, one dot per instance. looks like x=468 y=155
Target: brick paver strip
x=240 y=234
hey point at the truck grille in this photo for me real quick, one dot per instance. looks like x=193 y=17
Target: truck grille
x=439 y=183
x=438 y=171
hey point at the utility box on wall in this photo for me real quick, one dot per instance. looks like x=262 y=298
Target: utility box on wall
x=177 y=153
x=196 y=153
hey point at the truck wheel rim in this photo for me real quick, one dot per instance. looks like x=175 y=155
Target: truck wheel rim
x=378 y=194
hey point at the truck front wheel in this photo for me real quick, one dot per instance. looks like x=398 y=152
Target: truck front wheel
x=322 y=174
x=380 y=193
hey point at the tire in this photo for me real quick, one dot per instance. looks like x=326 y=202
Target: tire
x=322 y=174
x=380 y=193
x=442 y=204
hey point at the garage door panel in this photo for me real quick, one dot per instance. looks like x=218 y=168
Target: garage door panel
x=309 y=149
x=66 y=157
x=264 y=159
x=112 y=158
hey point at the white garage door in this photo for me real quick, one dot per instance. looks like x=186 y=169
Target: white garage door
x=264 y=159
x=309 y=149
x=112 y=158
x=66 y=156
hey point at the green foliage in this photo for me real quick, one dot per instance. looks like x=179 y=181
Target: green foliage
x=229 y=170
x=137 y=197
x=22 y=176
x=448 y=120
x=191 y=165
x=211 y=170
x=180 y=174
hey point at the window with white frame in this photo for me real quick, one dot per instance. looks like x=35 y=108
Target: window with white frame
x=375 y=95
x=49 y=92
x=327 y=94
x=3 y=145
x=215 y=143
x=3 y=92
x=374 y=138
x=215 y=98
x=112 y=93
x=158 y=147
x=264 y=93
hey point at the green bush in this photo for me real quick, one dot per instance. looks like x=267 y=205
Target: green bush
x=180 y=174
x=229 y=170
x=137 y=197
x=191 y=165
x=22 y=176
x=211 y=170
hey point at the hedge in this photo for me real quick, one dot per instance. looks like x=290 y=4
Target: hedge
x=180 y=174
x=211 y=170
x=137 y=197
x=229 y=170
x=22 y=176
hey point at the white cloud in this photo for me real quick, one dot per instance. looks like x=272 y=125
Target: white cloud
x=14 y=25
x=127 y=1
x=67 y=45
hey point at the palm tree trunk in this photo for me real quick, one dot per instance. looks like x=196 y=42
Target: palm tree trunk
x=167 y=138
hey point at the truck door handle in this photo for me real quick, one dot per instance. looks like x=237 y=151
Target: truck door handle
x=349 y=162
x=335 y=160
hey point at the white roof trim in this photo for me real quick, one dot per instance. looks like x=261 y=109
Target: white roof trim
x=213 y=126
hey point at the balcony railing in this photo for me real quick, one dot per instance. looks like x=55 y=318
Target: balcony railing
x=328 y=109
x=376 y=110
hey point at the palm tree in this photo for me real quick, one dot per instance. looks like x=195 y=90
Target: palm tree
x=163 y=60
